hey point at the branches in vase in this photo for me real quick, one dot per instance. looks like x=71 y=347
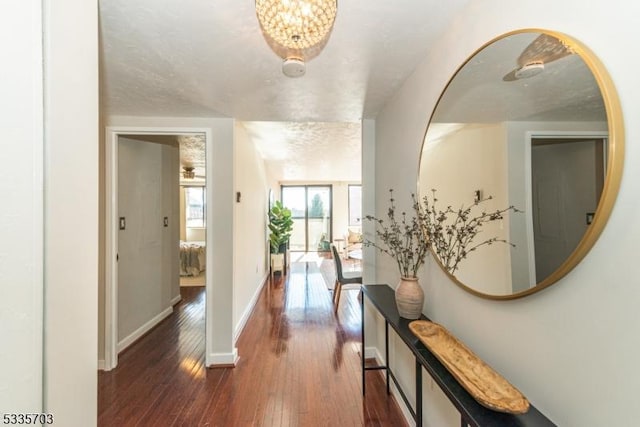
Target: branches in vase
x=452 y=240
x=401 y=238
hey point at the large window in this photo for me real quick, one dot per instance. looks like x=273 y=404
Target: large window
x=195 y=203
x=311 y=212
x=355 y=205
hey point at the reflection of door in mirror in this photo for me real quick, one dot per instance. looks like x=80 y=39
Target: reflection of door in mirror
x=567 y=177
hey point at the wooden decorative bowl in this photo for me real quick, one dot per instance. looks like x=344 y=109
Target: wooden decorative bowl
x=488 y=387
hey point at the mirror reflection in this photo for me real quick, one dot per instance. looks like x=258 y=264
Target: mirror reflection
x=523 y=123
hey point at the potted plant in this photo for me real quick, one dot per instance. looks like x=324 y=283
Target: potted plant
x=280 y=227
x=402 y=238
x=450 y=234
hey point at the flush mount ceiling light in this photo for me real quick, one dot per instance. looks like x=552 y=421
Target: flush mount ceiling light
x=529 y=70
x=188 y=172
x=295 y=27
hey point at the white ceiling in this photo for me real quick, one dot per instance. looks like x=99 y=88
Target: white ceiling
x=207 y=58
x=309 y=151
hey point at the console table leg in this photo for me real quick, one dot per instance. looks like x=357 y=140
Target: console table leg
x=386 y=353
x=418 y=394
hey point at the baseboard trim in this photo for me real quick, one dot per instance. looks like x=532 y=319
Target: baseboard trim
x=223 y=360
x=175 y=300
x=101 y=365
x=138 y=333
x=247 y=312
x=374 y=352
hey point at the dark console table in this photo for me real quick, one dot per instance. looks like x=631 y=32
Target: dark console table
x=471 y=412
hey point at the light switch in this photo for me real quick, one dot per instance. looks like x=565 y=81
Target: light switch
x=123 y=223
x=166 y=221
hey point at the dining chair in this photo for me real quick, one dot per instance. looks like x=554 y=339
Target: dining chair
x=343 y=278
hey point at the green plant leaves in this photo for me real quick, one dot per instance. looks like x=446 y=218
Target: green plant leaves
x=280 y=226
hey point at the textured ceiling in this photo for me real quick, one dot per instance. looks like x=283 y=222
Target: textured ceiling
x=205 y=58
x=565 y=91
x=192 y=149
x=309 y=151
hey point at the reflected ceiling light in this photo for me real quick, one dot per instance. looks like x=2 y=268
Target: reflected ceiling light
x=188 y=172
x=529 y=70
x=295 y=27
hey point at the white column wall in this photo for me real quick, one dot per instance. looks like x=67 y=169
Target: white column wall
x=21 y=221
x=71 y=211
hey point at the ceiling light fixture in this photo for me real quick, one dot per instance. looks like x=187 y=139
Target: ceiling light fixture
x=188 y=172
x=529 y=69
x=296 y=27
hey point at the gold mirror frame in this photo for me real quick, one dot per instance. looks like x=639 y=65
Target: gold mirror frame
x=615 y=161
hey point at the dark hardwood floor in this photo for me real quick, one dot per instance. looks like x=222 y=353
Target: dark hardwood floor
x=299 y=366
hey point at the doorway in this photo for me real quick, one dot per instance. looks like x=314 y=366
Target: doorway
x=567 y=178
x=143 y=220
x=311 y=210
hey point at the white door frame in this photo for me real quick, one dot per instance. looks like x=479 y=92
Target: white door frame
x=111 y=231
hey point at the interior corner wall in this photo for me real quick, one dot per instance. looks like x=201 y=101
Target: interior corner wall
x=572 y=348
x=368 y=197
x=148 y=270
x=250 y=225
x=71 y=210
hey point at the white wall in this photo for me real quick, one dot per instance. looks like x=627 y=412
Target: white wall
x=250 y=247
x=148 y=269
x=250 y=221
x=473 y=158
x=71 y=210
x=21 y=222
x=368 y=197
x=572 y=349
x=67 y=387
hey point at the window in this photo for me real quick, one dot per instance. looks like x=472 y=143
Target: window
x=311 y=213
x=195 y=203
x=355 y=205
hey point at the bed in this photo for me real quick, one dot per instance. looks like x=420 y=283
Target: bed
x=192 y=258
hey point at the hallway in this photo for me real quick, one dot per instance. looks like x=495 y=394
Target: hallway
x=299 y=366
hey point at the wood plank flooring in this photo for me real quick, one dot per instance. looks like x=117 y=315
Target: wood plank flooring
x=299 y=366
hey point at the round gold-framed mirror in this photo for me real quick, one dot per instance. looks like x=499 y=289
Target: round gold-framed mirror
x=529 y=127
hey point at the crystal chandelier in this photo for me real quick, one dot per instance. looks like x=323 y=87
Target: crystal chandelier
x=297 y=28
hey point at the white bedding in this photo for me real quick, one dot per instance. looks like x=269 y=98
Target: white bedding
x=192 y=258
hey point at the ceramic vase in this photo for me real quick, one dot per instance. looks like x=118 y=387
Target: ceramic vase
x=409 y=298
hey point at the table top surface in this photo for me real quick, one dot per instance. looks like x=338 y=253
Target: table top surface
x=355 y=254
x=383 y=298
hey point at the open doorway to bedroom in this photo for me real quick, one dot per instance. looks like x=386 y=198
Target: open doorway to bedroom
x=157 y=238
x=193 y=210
